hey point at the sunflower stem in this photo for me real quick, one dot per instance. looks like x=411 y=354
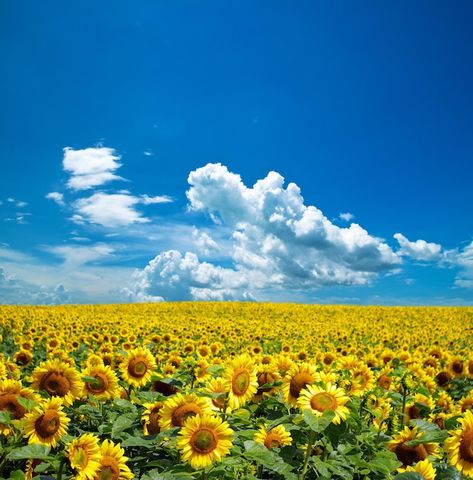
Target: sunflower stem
x=308 y=451
x=404 y=399
x=61 y=469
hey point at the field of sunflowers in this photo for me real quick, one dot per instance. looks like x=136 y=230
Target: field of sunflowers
x=180 y=391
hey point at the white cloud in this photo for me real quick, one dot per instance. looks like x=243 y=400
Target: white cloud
x=147 y=200
x=464 y=260
x=15 y=291
x=90 y=167
x=56 y=197
x=346 y=217
x=21 y=204
x=418 y=250
x=11 y=200
x=77 y=255
x=109 y=210
x=204 y=242
x=148 y=153
x=278 y=242
x=173 y=276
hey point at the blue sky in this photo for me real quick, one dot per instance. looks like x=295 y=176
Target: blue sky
x=137 y=139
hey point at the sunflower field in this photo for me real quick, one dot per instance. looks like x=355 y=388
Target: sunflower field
x=180 y=391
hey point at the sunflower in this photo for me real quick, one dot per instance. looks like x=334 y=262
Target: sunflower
x=137 y=368
x=58 y=379
x=277 y=437
x=419 y=406
x=297 y=378
x=459 y=446
x=10 y=393
x=104 y=386
x=204 y=439
x=178 y=408
x=411 y=455
x=151 y=418
x=266 y=374
x=23 y=357
x=217 y=387
x=112 y=464
x=47 y=423
x=362 y=380
x=319 y=399
x=241 y=378
x=424 y=468
x=84 y=456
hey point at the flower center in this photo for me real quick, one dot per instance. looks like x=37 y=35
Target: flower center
x=298 y=382
x=240 y=382
x=182 y=413
x=153 y=425
x=410 y=455
x=466 y=446
x=109 y=470
x=457 y=366
x=99 y=386
x=272 y=441
x=79 y=458
x=48 y=424
x=9 y=402
x=323 y=401
x=137 y=368
x=203 y=441
x=55 y=384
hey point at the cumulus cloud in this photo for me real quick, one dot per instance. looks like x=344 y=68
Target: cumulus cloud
x=108 y=209
x=346 y=217
x=15 y=291
x=464 y=260
x=204 y=242
x=418 y=250
x=56 y=197
x=174 y=276
x=278 y=241
x=90 y=167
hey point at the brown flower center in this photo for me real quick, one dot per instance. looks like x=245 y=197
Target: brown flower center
x=457 y=366
x=9 y=402
x=182 y=413
x=240 y=382
x=466 y=446
x=109 y=469
x=203 y=441
x=137 y=368
x=56 y=384
x=153 y=426
x=410 y=455
x=99 y=386
x=48 y=424
x=298 y=382
x=442 y=379
x=323 y=401
x=272 y=440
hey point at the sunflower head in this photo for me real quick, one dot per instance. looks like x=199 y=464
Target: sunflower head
x=459 y=445
x=138 y=367
x=277 y=437
x=84 y=456
x=112 y=464
x=298 y=377
x=242 y=381
x=177 y=409
x=204 y=439
x=102 y=382
x=150 y=418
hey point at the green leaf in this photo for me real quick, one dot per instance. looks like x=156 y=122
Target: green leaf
x=134 y=441
x=268 y=459
x=316 y=423
x=5 y=418
x=17 y=475
x=409 y=476
x=122 y=423
x=26 y=403
x=39 y=452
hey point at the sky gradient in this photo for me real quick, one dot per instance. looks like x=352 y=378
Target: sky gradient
x=138 y=140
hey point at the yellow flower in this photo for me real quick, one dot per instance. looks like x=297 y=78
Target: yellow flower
x=241 y=377
x=459 y=446
x=112 y=463
x=277 y=437
x=47 y=423
x=411 y=455
x=178 y=408
x=104 y=386
x=137 y=369
x=204 y=439
x=84 y=456
x=319 y=399
x=10 y=393
x=424 y=468
x=58 y=379
x=297 y=378
x=151 y=417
